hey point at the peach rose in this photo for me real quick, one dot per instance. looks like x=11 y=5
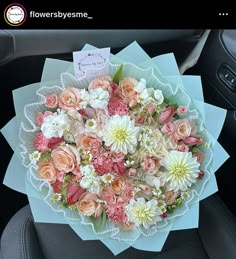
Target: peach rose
x=51 y=101
x=69 y=98
x=127 y=91
x=89 y=142
x=101 y=82
x=47 y=170
x=89 y=206
x=183 y=129
x=170 y=197
x=117 y=185
x=65 y=158
x=109 y=196
x=148 y=164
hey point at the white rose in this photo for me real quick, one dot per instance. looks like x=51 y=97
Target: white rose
x=158 y=96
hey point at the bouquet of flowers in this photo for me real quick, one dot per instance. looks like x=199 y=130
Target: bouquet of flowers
x=124 y=155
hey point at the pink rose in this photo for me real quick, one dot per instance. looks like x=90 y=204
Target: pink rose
x=166 y=115
x=119 y=167
x=74 y=192
x=69 y=98
x=182 y=110
x=95 y=152
x=148 y=164
x=101 y=82
x=183 y=129
x=47 y=170
x=51 y=101
x=40 y=117
x=193 y=140
x=108 y=196
x=126 y=87
x=117 y=156
x=88 y=205
x=170 y=197
x=183 y=148
x=117 y=106
x=65 y=158
x=41 y=143
x=128 y=193
x=132 y=172
x=168 y=128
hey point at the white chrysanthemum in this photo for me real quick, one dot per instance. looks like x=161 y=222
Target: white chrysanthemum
x=143 y=213
x=121 y=134
x=34 y=157
x=54 y=125
x=98 y=98
x=90 y=125
x=181 y=170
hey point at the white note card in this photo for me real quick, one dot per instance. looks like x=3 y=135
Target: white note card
x=88 y=61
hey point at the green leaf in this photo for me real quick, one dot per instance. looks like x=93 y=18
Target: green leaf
x=118 y=75
x=98 y=223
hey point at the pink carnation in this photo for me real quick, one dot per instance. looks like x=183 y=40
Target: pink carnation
x=117 y=106
x=116 y=212
x=41 y=142
x=103 y=164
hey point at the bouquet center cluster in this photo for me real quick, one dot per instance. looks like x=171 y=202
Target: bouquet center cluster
x=118 y=150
